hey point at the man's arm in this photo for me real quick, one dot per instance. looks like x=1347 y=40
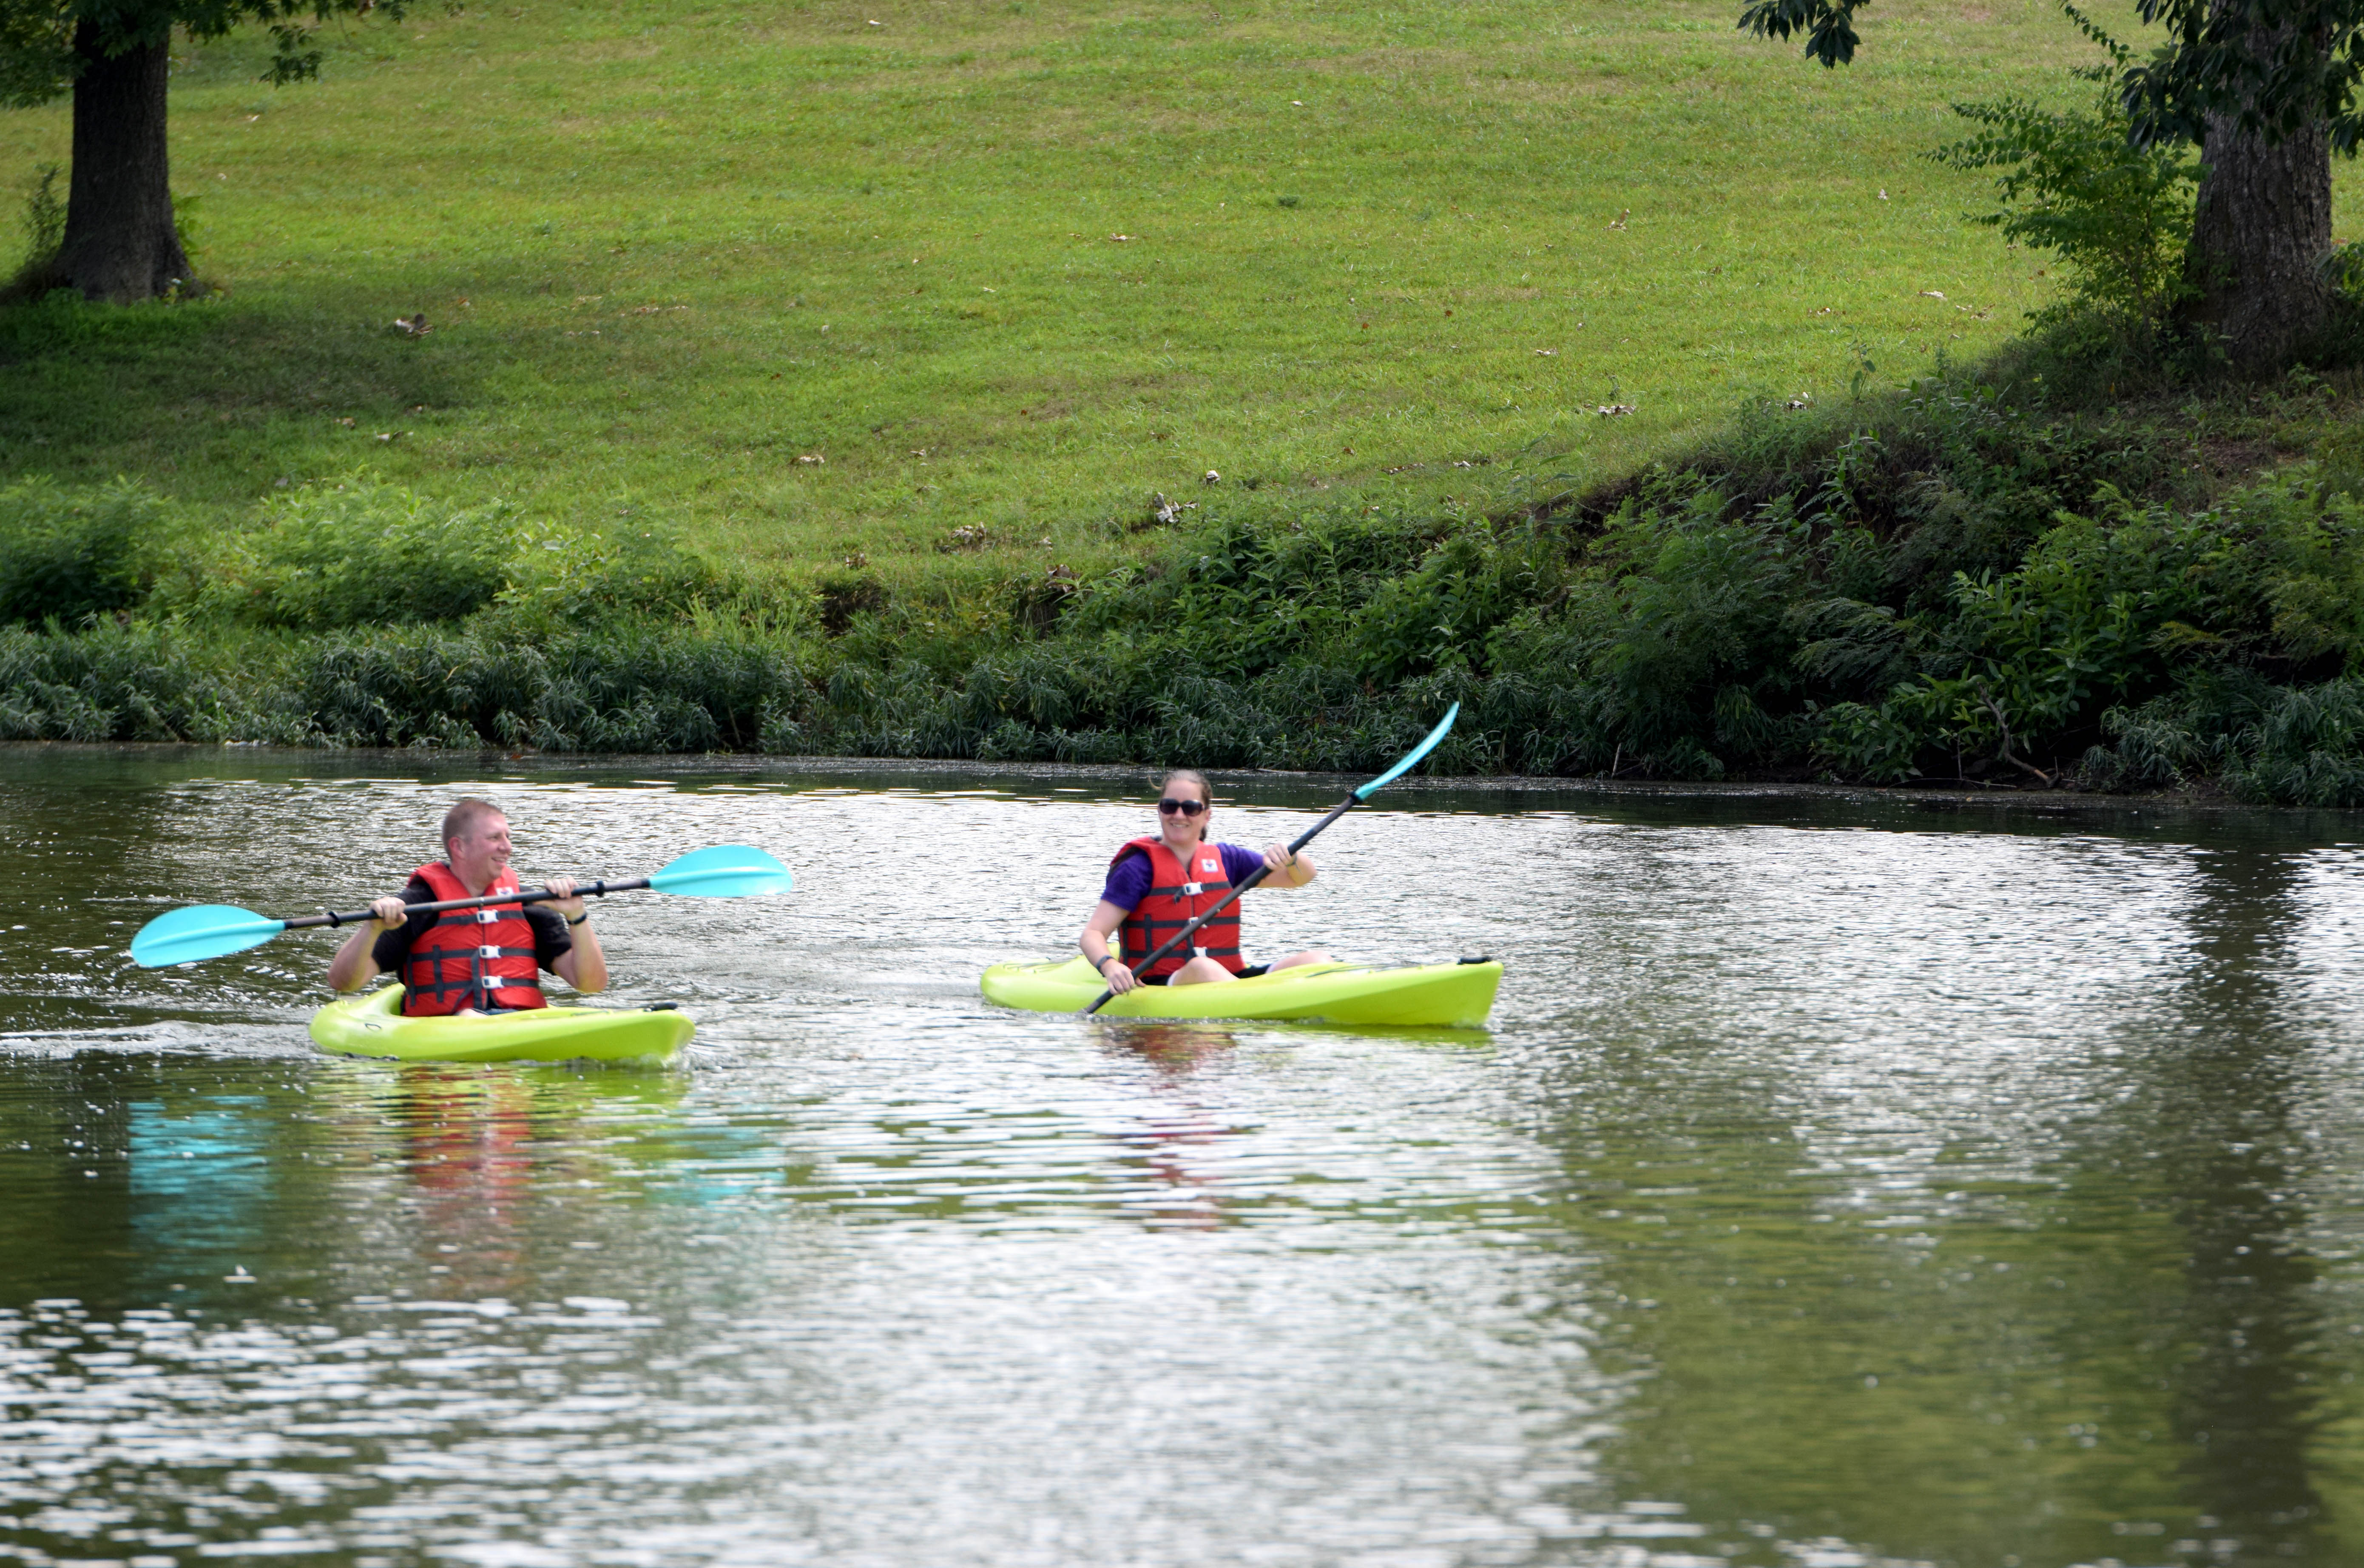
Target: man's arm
x=355 y=964
x=582 y=965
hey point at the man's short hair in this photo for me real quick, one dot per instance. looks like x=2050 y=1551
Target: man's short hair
x=468 y=814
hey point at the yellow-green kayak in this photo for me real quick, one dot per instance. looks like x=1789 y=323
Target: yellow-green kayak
x=1454 y=995
x=372 y=1024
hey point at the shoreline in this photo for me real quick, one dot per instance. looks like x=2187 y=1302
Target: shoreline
x=1322 y=784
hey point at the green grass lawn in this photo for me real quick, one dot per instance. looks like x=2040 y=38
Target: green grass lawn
x=1019 y=265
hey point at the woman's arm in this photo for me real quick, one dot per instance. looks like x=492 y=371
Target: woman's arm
x=1287 y=870
x=1105 y=920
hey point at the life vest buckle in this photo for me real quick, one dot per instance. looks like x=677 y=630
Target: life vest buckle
x=492 y=951
x=1193 y=888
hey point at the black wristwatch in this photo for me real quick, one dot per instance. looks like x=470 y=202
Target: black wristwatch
x=577 y=919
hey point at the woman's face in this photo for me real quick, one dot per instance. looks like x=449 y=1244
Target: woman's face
x=1181 y=827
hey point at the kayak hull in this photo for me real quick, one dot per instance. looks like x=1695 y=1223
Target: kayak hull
x=1449 y=995
x=372 y=1025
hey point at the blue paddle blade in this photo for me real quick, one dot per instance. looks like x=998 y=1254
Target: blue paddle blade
x=201 y=931
x=1417 y=753
x=726 y=871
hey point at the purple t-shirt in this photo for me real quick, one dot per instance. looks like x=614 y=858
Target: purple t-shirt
x=1128 y=880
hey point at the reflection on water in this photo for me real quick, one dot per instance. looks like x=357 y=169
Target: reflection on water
x=1840 y=1184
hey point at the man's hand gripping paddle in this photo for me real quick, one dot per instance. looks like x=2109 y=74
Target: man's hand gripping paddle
x=216 y=930
x=1257 y=875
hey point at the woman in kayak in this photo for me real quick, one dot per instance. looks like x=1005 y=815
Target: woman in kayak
x=1155 y=886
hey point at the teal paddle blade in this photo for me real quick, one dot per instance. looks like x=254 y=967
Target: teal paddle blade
x=201 y=931
x=1417 y=753
x=726 y=871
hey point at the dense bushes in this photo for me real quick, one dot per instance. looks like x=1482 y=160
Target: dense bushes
x=71 y=554
x=1957 y=584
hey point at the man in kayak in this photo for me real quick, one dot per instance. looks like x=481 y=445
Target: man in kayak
x=1155 y=886
x=473 y=961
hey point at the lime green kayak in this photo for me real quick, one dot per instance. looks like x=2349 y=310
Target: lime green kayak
x=372 y=1024
x=1448 y=995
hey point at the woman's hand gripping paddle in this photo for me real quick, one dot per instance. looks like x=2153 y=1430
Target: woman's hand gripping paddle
x=1257 y=875
x=216 y=930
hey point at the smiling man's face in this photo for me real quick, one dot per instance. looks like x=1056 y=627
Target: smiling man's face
x=480 y=852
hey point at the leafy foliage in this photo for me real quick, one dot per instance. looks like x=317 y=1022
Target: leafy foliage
x=1959 y=586
x=67 y=554
x=2073 y=182
x=39 y=38
x=45 y=219
x=351 y=554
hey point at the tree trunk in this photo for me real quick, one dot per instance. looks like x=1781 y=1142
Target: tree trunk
x=2263 y=225
x=119 y=242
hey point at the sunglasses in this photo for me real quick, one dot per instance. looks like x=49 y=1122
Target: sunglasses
x=1169 y=807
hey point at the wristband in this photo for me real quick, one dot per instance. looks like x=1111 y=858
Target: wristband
x=578 y=919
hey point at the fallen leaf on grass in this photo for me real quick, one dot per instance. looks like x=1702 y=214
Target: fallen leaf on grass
x=1545 y=353
x=1933 y=294
x=412 y=325
x=968 y=536
x=1615 y=410
x=1121 y=239
x=1212 y=478
x=1163 y=513
x=811 y=457
x=1619 y=223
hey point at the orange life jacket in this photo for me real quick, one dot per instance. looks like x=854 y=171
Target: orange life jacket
x=470 y=958
x=1178 y=895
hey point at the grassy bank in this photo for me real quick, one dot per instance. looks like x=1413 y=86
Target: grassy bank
x=1962 y=581
x=1003 y=278
x=667 y=252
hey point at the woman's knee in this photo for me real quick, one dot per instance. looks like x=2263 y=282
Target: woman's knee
x=1299 y=959
x=1199 y=972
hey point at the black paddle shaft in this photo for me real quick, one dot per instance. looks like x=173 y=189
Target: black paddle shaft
x=1254 y=877
x=597 y=890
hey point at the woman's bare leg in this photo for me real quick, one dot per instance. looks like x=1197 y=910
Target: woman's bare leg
x=1298 y=960
x=1200 y=972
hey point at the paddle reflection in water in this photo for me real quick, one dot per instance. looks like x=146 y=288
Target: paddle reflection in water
x=1839 y=1183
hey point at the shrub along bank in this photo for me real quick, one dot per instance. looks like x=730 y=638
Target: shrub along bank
x=1968 y=580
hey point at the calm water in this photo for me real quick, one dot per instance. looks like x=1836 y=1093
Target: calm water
x=1841 y=1184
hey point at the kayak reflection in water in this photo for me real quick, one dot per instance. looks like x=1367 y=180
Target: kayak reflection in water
x=473 y=961
x=1156 y=887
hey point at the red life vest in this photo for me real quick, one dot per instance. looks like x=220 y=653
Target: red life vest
x=1178 y=895
x=470 y=958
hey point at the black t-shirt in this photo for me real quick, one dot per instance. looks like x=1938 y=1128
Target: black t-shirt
x=550 y=936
